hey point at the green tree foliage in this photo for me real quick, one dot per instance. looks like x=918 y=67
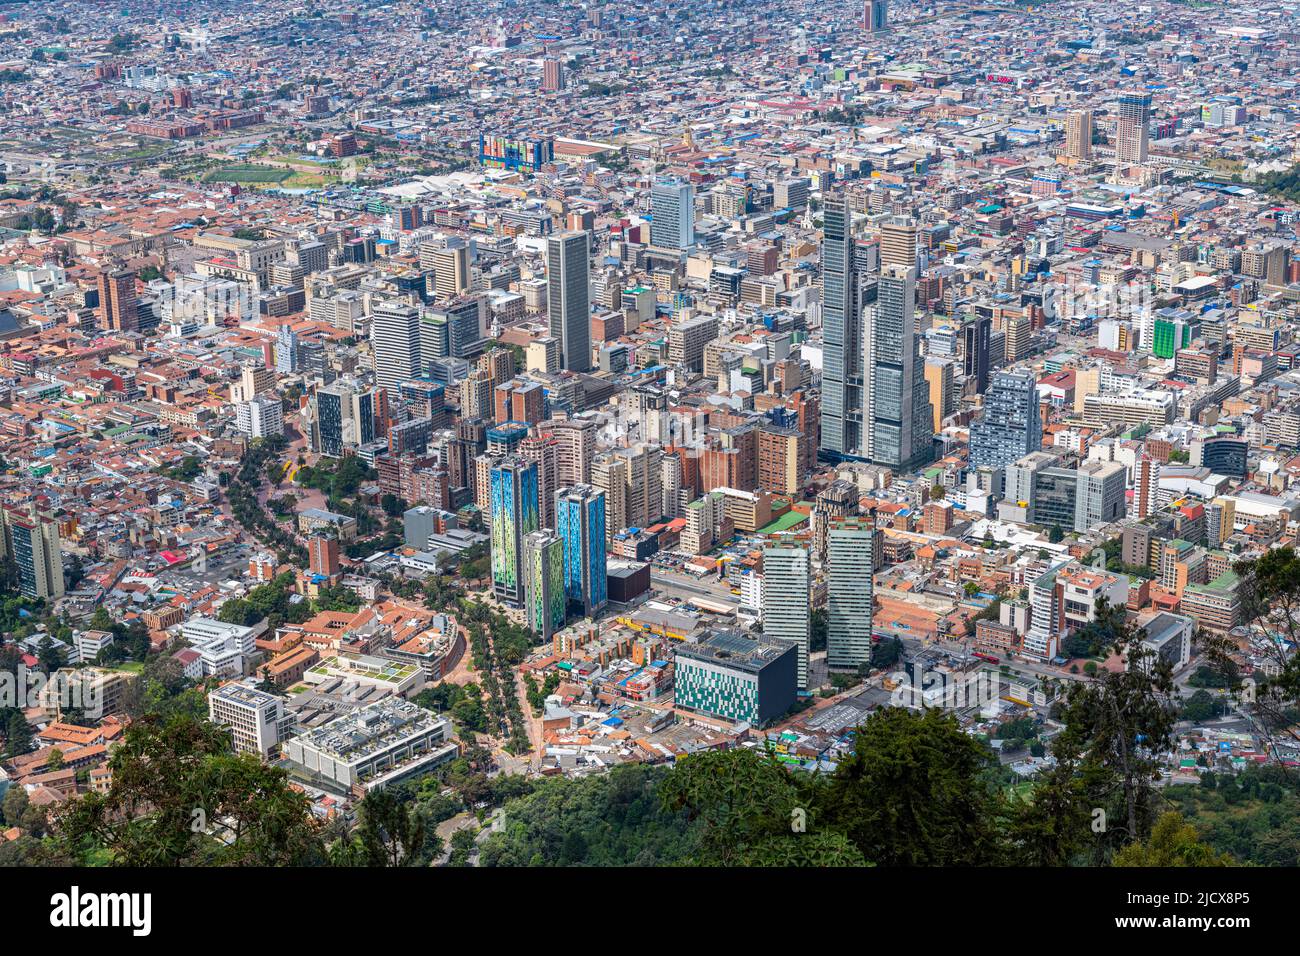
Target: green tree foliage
x=1173 y=842
x=179 y=797
x=615 y=819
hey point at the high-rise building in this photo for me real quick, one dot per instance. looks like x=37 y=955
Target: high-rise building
x=787 y=614
x=976 y=339
x=568 y=302
x=552 y=75
x=875 y=16
x=672 y=208
x=348 y=416
x=1131 y=128
x=1146 y=486
x=395 y=339
x=899 y=412
x=31 y=537
x=450 y=265
x=1011 y=427
x=323 y=555
x=842 y=346
x=580 y=521
x=1078 y=135
x=260 y=417
x=118 y=310
x=286 y=350
x=898 y=244
x=514 y=515
x=849 y=593
x=545 y=604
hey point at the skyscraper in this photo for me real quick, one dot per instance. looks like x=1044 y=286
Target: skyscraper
x=1011 y=427
x=395 y=341
x=552 y=75
x=568 y=303
x=32 y=537
x=842 y=346
x=1078 y=135
x=899 y=412
x=672 y=208
x=544 y=600
x=118 y=310
x=786 y=611
x=580 y=521
x=898 y=243
x=977 y=335
x=514 y=515
x=849 y=593
x=1131 y=128
x=875 y=16
x=286 y=350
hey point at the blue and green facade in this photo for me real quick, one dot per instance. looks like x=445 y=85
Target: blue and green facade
x=545 y=605
x=514 y=515
x=580 y=522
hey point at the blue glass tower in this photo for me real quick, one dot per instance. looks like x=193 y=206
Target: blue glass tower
x=580 y=523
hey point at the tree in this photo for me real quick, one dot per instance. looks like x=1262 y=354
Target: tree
x=1173 y=842
x=391 y=832
x=179 y=797
x=916 y=792
x=1119 y=723
x=1055 y=535
x=1270 y=588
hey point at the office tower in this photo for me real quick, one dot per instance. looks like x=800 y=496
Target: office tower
x=552 y=75
x=514 y=515
x=395 y=340
x=450 y=267
x=787 y=614
x=1131 y=128
x=898 y=244
x=1146 y=486
x=875 y=16
x=118 y=311
x=31 y=538
x=544 y=599
x=544 y=451
x=260 y=417
x=348 y=416
x=849 y=593
x=672 y=208
x=323 y=555
x=939 y=378
x=977 y=336
x=899 y=412
x=1011 y=427
x=455 y=330
x=580 y=521
x=842 y=345
x=568 y=305
x=286 y=350
x=1078 y=135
